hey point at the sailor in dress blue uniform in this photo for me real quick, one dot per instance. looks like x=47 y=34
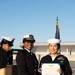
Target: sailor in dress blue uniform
x=55 y=57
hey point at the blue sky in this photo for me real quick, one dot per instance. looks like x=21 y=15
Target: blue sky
x=37 y=17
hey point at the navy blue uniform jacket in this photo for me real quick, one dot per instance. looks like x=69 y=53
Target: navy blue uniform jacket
x=60 y=59
x=3 y=58
x=27 y=63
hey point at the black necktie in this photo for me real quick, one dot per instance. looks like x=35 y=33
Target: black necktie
x=31 y=53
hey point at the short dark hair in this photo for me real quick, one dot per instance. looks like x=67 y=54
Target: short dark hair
x=58 y=44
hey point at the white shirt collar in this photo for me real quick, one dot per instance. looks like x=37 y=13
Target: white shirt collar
x=27 y=50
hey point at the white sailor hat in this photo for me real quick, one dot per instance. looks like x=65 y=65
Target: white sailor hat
x=28 y=38
x=7 y=40
x=53 y=40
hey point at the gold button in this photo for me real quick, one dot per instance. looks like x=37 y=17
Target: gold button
x=35 y=65
x=34 y=69
x=35 y=61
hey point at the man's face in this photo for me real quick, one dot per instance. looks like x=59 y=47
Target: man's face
x=29 y=45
